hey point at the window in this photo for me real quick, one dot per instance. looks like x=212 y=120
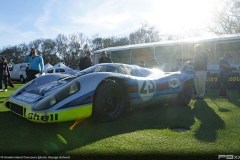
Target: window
x=106 y=69
x=23 y=67
x=128 y=70
x=59 y=70
x=145 y=72
x=50 y=71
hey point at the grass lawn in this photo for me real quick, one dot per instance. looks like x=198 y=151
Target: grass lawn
x=212 y=128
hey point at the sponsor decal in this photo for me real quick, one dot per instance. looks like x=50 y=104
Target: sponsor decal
x=35 y=116
x=174 y=83
x=28 y=97
x=230 y=79
x=212 y=79
x=233 y=79
x=146 y=89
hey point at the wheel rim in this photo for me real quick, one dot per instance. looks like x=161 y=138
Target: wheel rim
x=111 y=101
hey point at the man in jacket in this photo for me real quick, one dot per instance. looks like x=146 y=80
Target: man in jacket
x=86 y=61
x=225 y=71
x=105 y=58
x=36 y=65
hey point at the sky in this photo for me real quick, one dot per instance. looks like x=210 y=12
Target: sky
x=23 y=21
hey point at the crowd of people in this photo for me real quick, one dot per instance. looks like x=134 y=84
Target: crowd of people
x=200 y=67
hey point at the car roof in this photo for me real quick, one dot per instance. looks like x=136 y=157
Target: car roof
x=116 y=64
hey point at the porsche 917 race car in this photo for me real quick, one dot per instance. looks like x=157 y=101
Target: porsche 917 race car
x=102 y=91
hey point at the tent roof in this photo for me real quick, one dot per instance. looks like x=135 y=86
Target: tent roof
x=60 y=65
x=216 y=38
x=48 y=65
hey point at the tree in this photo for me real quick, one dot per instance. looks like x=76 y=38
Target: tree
x=15 y=54
x=76 y=44
x=62 y=46
x=97 y=42
x=47 y=50
x=225 y=18
x=145 y=34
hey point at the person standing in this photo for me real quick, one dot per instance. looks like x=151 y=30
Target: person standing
x=27 y=60
x=225 y=71
x=154 y=63
x=200 y=68
x=36 y=65
x=105 y=58
x=4 y=74
x=86 y=61
x=142 y=63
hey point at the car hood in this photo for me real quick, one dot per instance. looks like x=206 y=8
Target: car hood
x=41 y=87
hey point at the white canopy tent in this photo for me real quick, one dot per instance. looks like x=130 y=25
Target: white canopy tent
x=48 y=65
x=60 y=68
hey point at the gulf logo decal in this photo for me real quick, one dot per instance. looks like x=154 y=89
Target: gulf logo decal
x=174 y=83
x=146 y=89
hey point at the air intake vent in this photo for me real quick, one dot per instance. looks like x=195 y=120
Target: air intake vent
x=16 y=108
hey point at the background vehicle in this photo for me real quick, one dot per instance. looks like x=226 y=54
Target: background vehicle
x=60 y=68
x=18 y=72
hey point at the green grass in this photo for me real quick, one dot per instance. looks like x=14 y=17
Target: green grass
x=213 y=125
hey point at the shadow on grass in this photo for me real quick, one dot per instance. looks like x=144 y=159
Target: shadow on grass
x=210 y=121
x=22 y=137
x=234 y=98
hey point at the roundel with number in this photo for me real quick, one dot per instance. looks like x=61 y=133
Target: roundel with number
x=146 y=89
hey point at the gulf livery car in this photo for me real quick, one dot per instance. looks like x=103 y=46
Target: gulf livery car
x=102 y=91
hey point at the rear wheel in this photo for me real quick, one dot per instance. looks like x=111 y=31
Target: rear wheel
x=108 y=102
x=185 y=96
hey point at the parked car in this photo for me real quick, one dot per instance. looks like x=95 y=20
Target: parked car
x=102 y=92
x=60 y=70
x=18 y=72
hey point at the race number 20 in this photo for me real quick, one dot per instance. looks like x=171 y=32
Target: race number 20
x=146 y=89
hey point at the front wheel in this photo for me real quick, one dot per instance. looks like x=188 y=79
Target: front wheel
x=185 y=96
x=108 y=102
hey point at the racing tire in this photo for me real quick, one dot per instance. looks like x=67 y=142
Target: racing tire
x=109 y=101
x=185 y=96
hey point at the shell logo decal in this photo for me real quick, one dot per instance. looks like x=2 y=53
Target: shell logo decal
x=174 y=83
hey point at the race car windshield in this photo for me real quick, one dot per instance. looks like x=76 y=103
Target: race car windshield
x=86 y=71
x=106 y=69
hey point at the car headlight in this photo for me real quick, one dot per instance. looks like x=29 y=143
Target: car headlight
x=58 y=96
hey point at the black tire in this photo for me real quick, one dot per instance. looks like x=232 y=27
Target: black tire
x=109 y=102
x=185 y=96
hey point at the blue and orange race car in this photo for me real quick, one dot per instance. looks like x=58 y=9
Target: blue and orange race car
x=102 y=91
